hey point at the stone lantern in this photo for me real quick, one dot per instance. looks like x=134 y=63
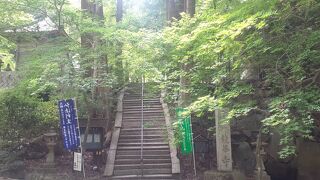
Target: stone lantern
x=51 y=141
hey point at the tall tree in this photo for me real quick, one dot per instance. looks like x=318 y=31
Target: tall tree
x=185 y=66
x=119 y=13
x=190 y=7
x=119 y=64
x=174 y=8
x=90 y=40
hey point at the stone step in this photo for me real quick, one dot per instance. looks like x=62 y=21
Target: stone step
x=145 y=119
x=145 y=144
x=142 y=171
x=155 y=118
x=145 y=132
x=144 y=166
x=138 y=177
x=146 y=124
x=138 y=96
x=138 y=103
x=145 y=116
x=145 y=136
x=126 y=105
x=138 y=125
x=144 y=156
x=139 y=113
x=145 y=151
x=139 y=99
x=138 y=161
x=144 y=106
x=145 y=129
x=124 y=140
x=145 y=110
x=138 y=133
x=164 y=147
x=157 y=123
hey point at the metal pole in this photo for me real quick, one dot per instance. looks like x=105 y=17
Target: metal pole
x=193 y=153
x=81 y=148
x=142 y=104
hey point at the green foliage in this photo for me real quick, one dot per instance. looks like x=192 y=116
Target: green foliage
x=292 y=116
x=24 y=117
x=250 y=56
x=254 y=55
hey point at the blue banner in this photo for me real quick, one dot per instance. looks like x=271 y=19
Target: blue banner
x=69 y=124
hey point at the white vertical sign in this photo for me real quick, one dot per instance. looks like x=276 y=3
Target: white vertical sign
x=77 y=161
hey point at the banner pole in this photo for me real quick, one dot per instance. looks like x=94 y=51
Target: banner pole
x=81 y=148
x=193 y=153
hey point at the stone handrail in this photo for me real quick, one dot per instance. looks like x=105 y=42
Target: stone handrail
x=173 y=149
x=115 y=137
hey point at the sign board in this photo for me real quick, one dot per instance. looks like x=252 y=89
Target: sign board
x=77 y=161
x=69 y=124
x=185 y=129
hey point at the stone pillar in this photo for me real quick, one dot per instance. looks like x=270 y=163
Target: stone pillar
x=223 y=142
x=50 y=155
x=224 y=152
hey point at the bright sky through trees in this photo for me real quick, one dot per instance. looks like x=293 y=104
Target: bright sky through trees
x=134 y=6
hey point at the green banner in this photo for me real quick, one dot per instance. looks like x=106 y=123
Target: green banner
x=185 y=129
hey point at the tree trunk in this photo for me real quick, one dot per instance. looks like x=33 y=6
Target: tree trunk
x=171 y=10
x=191 y=7
x=174 y=8
x=184 y=79
x=119 y=63
x=119 y=15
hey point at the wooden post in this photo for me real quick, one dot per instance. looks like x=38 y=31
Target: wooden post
x=223 y=141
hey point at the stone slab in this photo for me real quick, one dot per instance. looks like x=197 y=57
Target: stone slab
x=223 y=141
x=218 y=175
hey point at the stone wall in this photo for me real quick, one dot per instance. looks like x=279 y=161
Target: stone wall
x=308 y=162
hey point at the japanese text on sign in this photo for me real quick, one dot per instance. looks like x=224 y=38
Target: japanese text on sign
x=69 y=124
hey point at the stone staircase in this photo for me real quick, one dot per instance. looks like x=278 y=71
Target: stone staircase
x=150 y=159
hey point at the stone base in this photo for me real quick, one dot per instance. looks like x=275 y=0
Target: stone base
x=45 y=173
x=264 y=175
x=218 y=175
